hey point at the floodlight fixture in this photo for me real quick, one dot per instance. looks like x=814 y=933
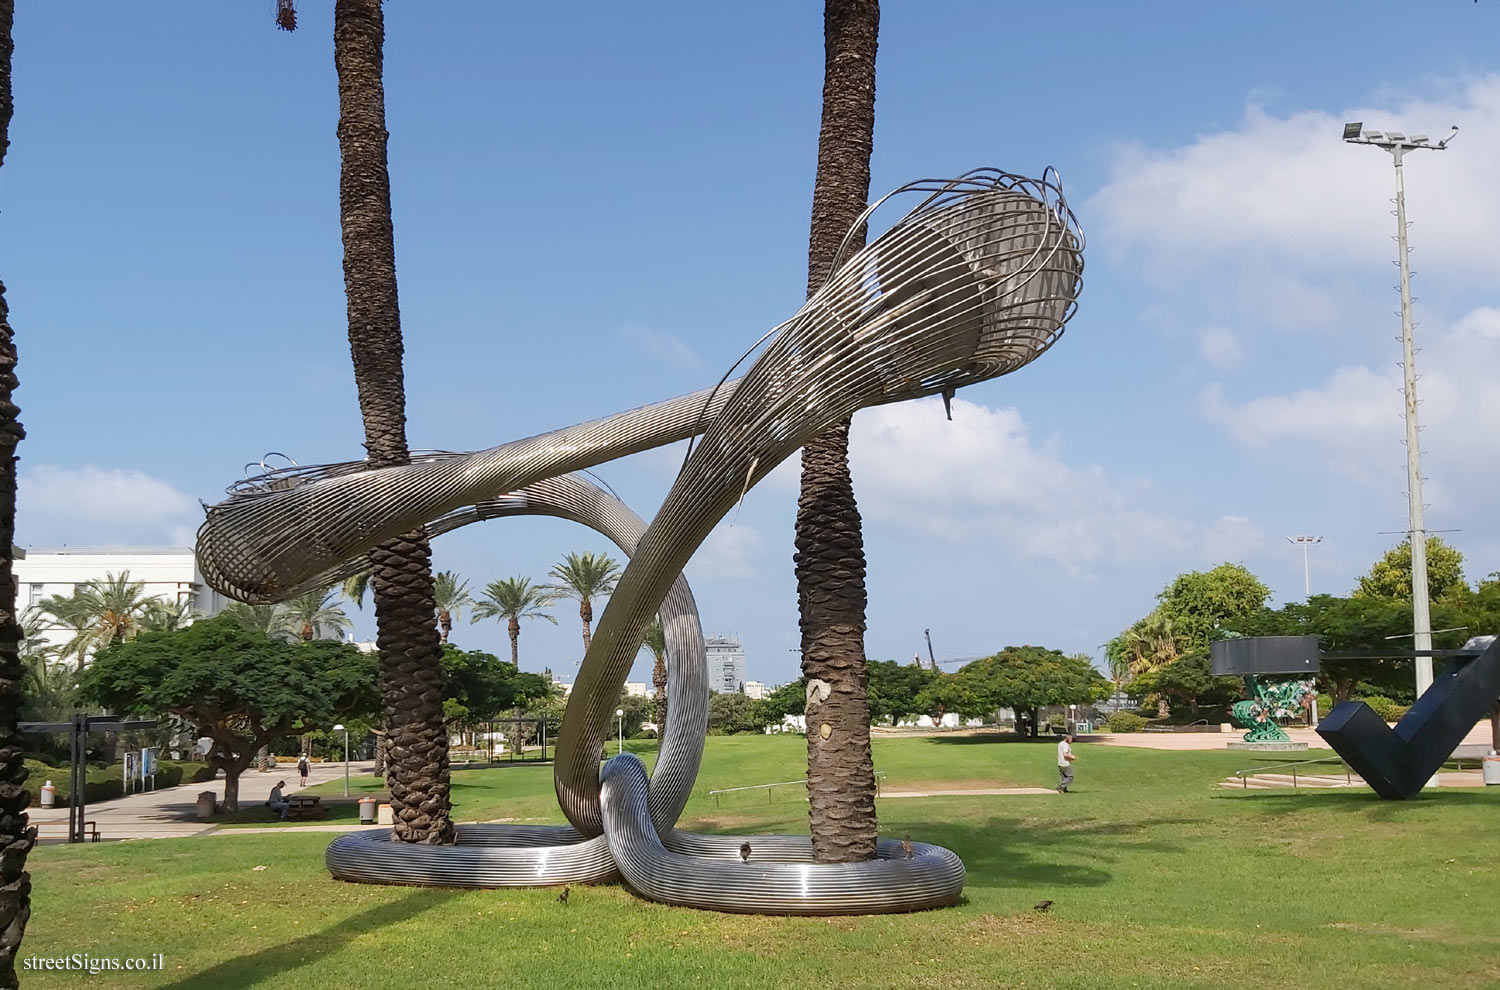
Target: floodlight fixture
x=1351 y=131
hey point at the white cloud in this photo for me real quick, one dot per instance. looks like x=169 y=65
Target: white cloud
x=1220 y=347
x=660 y=344
x=1352 y=420
x=982 y=479
x=1287 y=188
x=105 y=506
x=732 y=551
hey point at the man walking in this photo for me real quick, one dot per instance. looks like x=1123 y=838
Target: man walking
x=1065 y=760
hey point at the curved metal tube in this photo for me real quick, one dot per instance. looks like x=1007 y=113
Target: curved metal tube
x=779 y=877
x=976 y=281
x=539 y=855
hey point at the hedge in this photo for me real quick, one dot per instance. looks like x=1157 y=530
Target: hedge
x=104 y=783
x=1124 y=722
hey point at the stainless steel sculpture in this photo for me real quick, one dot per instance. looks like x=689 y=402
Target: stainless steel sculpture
x=976 y=281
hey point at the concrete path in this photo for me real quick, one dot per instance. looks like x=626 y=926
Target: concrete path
x=969 y=793
x=172 y=812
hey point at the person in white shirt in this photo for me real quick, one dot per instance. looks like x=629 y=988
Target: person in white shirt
x=1065 y=760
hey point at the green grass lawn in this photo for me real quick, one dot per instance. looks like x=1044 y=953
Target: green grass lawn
x=1159 y=879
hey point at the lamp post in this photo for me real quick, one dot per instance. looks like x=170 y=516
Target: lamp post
x=1398 y=145
x=620 y=714
x=340 y=728
x=1305 y=542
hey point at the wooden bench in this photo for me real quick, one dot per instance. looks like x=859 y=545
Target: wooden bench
x=304 y=806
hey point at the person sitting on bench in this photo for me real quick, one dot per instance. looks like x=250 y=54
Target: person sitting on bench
x=277 y=802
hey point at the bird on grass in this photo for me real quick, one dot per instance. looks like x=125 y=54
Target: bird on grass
x=906 y=846
x=1043 y=906
x=563 y=897
x=744 y=852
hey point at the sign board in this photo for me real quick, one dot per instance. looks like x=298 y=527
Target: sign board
x=1265 y=655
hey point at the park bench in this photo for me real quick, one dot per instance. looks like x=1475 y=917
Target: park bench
x=304 y=806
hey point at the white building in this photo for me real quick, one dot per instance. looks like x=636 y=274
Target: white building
x=635 y=689
x=755 y=690
x=168 y=573
x=726 y=664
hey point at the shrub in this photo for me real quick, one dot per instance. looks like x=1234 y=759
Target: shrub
x=1325 y=705
x=1387 y=709
x=204 y=773
x=1124 y=722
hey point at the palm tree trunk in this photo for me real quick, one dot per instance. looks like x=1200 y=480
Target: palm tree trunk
x=659 y=680
x=586 y=613
x=411 y=673
x=514 y=626
x=16 y=835
x=830 y=558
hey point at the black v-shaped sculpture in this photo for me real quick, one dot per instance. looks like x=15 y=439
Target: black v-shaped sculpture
x=1398 y=762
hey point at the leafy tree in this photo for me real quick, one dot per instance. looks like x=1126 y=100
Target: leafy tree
x=830 y=557
x=1359 y=622
x=789 y=699
x=513 y=599
x=1389 y=577
x=450 y=594
x=637 y=708
x=1028 y=678
x=894 y=688
x=481 y=685
x=1191 y=681
x=733 y=713
x=240 y=688
x=585 y=577
x=949 y=693
x=1198 y=602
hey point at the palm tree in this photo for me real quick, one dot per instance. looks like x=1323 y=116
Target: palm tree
x=1149 y=646
x=656 y=642
x=16 y=835
x=68 y=613
x=830 y=557
x=585 y=576
x=315 y=613
x=450 y=594
x=513 y=599
x=411 y=671
x=102 y=611
x=354 y=587
x=269 y=619
x=117 y=605
x=164 y=616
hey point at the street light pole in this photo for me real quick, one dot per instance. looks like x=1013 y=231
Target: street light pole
x=340 y=728
x=620 y=714
x=1398 y=145
x=1305 y=542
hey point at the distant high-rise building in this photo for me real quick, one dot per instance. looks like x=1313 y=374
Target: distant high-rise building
x=726 y=664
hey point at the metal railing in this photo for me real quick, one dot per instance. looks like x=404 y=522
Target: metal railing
x=879 y=776
x=1281 y=768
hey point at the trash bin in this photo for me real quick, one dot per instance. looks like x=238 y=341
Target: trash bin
x=1491 y=764
x=49 y=795
x=385 y=816
x=367 y=811
x=206 y=804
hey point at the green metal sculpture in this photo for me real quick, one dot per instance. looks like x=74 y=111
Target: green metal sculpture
x=1272 y=700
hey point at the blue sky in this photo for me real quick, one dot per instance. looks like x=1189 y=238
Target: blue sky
x=600 y=205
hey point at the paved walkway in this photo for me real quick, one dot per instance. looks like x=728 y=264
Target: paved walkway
x=172 y=812
x=969 y=793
